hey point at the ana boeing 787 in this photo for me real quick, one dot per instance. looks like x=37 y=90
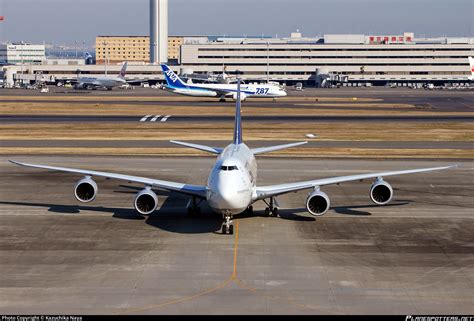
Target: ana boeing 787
x=178 y=86
x=232 y=183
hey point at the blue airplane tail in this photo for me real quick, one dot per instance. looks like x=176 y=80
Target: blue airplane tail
x=172 y=79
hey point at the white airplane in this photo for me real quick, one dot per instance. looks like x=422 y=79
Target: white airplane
x=104 y=81
x=471 y=67
x=178 y=86
x=232 y=183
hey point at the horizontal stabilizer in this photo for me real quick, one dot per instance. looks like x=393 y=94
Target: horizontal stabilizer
x=262 y=150
x=209 y=149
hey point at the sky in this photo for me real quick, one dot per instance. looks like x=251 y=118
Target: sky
x=65 y=21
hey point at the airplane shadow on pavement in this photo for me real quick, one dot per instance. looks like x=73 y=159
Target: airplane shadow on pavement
x=173 y=218
x=354 y=209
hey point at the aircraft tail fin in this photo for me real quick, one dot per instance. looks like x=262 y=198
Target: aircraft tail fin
x=172 y=79
x=123 y=71
x=238 y=118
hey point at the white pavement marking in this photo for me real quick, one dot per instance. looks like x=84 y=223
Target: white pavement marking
x=155 y=118
x=145 y=118
x=165 y=118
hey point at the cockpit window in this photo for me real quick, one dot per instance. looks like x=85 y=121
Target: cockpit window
x=228 y=168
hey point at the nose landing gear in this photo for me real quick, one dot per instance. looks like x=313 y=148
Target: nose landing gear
x=227 y=226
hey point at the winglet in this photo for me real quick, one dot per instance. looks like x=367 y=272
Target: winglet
x=15 y=162
x=238 y=118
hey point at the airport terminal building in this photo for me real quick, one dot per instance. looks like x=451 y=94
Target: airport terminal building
x=350 y=60
x=353 y=58
x=17 y=53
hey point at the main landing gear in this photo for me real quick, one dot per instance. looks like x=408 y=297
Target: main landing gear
x=193 y=207
x=272 y=207
x=227 y=226
x=222 y=99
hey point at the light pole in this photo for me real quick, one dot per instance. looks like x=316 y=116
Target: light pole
x=21 y=57
x=105 y=56
x=268 y=62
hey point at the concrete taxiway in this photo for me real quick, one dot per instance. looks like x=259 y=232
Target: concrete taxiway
x=414 y=256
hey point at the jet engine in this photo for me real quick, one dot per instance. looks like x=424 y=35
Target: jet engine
x=85 y=190
x=146 y=202
x=381 y=192
x=317 y=203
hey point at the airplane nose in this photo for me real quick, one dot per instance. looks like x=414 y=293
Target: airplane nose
x=228 y=199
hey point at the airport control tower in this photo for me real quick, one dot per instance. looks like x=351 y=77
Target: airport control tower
x=158 y=31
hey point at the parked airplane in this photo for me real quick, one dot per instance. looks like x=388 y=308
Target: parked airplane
x=103 y=81
x=471 y=67
x=178 y=86
x=232 y=183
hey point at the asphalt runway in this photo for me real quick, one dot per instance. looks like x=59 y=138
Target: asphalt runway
x=229 y=119
x=414 y=256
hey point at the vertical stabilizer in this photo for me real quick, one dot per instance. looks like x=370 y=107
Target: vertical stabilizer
x=123 y=71
x=172 y=79
x=238 y=118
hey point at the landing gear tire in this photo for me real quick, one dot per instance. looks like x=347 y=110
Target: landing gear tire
x=275 y=212
x=267 y=212
x=226 y=230
x=272 y=208
x=250 y=210
x=271 y=212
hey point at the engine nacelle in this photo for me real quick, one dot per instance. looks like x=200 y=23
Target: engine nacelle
x=85 y=190
x=146 y=202
x=317 y=203
x=242 y=96
x=381 y=192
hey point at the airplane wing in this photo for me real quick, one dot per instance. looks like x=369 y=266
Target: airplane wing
x=262 y=150
x=139 y=81
x=194 y=190
x=274 y=190
x=228 y=92
x=209 y=149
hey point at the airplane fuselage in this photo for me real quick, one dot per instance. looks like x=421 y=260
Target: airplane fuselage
x=212 y=90
x=108 y=82
x=232 y=180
